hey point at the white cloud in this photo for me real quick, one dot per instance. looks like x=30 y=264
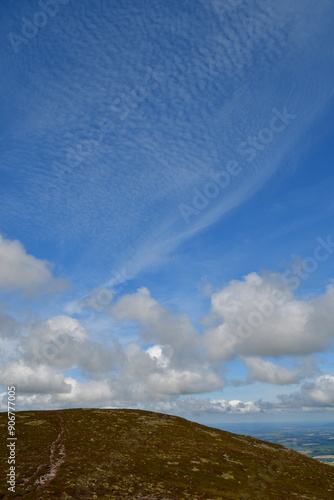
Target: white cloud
x=33 y=380
x=30 y=402
x=174 y=365
x=62 y=342
x=130 y=374
x=183 y=382
x=158 y=324
x=266 y=371
x=155 y=371
x=171 y=358
x=259 y=316
x=9 y=327
x=312 y=395
x=156 y=352
x=91 y=391
x=197 y=406
x=234 y=406
x=24 y=272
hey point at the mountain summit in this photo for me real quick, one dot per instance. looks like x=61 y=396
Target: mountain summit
x=133 y=454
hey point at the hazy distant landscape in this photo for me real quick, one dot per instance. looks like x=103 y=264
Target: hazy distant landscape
x=313 y=440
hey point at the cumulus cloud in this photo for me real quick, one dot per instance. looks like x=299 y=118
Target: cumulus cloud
x=155 y=370
x=197 y=406
x=30 y=402
x=130 y=373
x=101 y=394
x=62 y=342
x=24 y=272
x=159 y=325
x=174 y=364
x=91 y=391
x=312 y=395
x=182 y=381
x=170 y=358
x=260 y=316
x=9 y=327
x=266 y=371
x=33 y=380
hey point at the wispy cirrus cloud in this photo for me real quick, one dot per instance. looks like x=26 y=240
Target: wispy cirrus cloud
x=171 y=120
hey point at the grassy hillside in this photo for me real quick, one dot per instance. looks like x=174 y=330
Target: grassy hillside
x=123 y=454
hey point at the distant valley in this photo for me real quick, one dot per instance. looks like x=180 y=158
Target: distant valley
x=313 y=440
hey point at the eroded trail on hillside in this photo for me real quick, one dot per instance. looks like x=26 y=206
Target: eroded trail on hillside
x=57 y=458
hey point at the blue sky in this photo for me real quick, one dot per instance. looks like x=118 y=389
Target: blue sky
x=166 y=222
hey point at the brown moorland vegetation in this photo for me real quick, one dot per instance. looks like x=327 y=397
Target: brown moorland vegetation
x=124 y=454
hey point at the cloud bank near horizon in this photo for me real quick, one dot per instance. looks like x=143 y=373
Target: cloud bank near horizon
x=60 y=362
